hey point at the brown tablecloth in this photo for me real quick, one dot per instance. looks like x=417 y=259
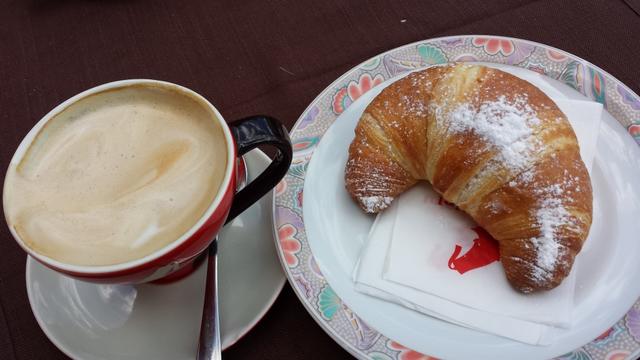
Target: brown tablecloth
x=247 y=57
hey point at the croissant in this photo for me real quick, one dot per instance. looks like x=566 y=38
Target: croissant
x=492 y=144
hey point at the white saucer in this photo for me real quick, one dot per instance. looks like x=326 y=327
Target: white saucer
x=88 y=321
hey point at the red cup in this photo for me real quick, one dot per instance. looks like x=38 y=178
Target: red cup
x=177 y=258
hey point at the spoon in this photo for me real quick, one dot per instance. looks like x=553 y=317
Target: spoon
x=209 y=346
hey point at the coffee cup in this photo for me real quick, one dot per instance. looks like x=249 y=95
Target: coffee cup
x=130 y=181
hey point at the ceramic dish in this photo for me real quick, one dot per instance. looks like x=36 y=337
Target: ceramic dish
x=316 y=260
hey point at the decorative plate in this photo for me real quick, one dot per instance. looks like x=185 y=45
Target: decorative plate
x=619 y=342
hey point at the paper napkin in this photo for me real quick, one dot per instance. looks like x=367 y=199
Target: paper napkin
x=427 y=256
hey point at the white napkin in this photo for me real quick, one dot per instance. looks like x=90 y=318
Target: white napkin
x=406 y=260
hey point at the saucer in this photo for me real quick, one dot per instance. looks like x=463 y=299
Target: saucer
x=89 y=321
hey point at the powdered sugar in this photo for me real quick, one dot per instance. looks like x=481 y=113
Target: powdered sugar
x=495 y=206
x=527 y=176
x=551 y=216
x=507 y=126
x=375 y=203
x=416 y=108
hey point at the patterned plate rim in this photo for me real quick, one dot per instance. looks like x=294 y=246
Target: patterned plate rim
x=325 y=307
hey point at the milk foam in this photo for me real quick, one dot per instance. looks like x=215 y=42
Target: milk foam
x=116 y=176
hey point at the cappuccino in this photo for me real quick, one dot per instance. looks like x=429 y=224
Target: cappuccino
x=117 y=175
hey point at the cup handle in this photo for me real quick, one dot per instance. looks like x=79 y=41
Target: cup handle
x=248 y=134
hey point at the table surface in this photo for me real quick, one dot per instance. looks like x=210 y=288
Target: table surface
x=247 y=57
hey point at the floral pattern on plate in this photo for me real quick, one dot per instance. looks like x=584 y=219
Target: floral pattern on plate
x=294 y=251
x=633 y=323
x=576 y=355
x=608 y=336
x=634 y=130
x=406 y=353
x=353 y=90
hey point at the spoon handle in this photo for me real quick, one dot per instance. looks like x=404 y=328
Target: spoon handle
x=209 y=345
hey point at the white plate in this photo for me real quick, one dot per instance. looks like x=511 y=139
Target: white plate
x=87 y=321
x=607 y=283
